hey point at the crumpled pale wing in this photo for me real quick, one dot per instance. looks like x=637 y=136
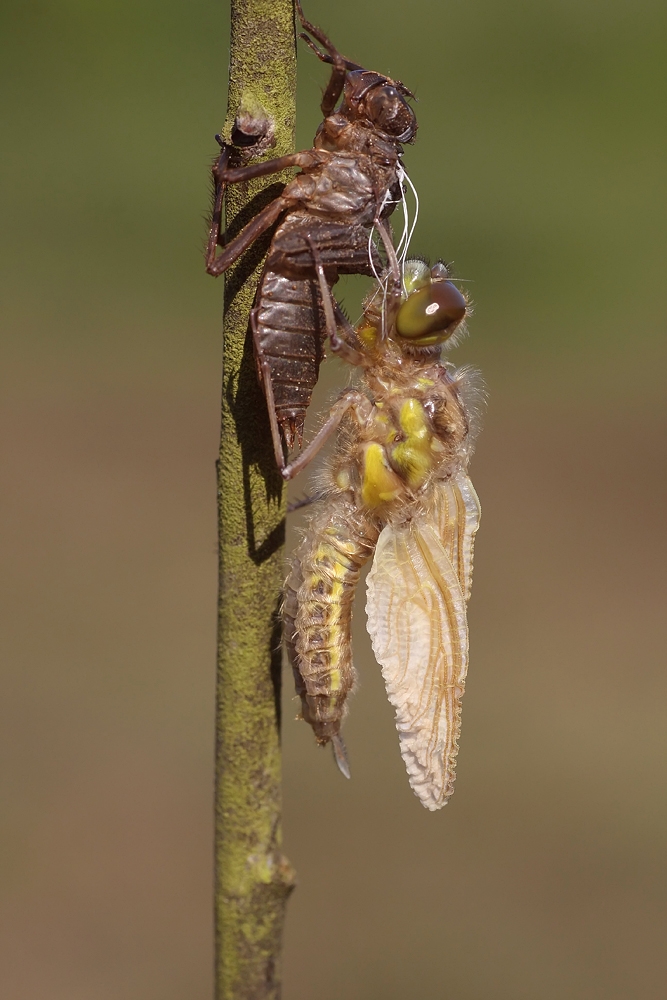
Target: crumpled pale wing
x=456 y=514
x=416 y=608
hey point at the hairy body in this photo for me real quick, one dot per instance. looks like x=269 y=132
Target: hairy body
x=396 y=489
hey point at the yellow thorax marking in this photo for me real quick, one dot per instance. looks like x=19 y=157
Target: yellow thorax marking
x=380 y=484
x=412 y=457
x=412 y=419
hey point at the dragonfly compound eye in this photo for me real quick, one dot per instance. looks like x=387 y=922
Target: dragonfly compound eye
x=431 y=314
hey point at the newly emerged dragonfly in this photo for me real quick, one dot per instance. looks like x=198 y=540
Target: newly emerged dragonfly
x=396 y=489
x=350 y=181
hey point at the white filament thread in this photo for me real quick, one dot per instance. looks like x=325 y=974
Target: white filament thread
x=405 y=240
x=404 y=176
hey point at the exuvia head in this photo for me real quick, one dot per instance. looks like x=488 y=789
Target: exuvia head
x=367 y=97
x=381 y=102
x=433 y=308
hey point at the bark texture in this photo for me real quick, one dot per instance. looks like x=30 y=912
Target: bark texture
x=253 y=878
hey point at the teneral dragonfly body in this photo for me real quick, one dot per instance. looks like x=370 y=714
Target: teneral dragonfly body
x=396 y=489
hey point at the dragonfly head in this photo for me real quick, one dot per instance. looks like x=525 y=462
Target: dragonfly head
x=433 y=308
x=380 y=102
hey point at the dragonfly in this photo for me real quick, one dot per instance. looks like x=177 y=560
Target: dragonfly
x=348 y=185
x=396 y=490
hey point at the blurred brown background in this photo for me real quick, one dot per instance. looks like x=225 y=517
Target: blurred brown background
x=540 y=165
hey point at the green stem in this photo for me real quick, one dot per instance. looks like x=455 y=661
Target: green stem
x=252 y=877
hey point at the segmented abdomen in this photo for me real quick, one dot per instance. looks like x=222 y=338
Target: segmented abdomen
x=288 y=320
x=342 y=245
x=318 y=611
x=289 y=330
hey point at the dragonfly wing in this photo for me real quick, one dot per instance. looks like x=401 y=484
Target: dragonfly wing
x=417 y=622
x=456 y=515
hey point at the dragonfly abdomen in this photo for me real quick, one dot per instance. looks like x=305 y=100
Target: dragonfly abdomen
x=318 y=612
x=289 y=331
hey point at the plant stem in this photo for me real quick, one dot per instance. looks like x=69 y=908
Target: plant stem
x=252 y=878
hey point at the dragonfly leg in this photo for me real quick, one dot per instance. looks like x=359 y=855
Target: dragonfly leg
x=351 y=400
x=306 y=159
x=342 y=346
x=339 y=64
x=233 y=250
x=334 y=317
x=223 y=175
x=394 y=297
x=219 y=193
x=392 y=259
x=265 y=369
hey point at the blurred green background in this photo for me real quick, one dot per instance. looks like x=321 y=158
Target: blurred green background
x=540 y=163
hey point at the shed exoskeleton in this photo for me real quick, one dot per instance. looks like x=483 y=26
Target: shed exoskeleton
x=349 y=183
x=396 y=489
